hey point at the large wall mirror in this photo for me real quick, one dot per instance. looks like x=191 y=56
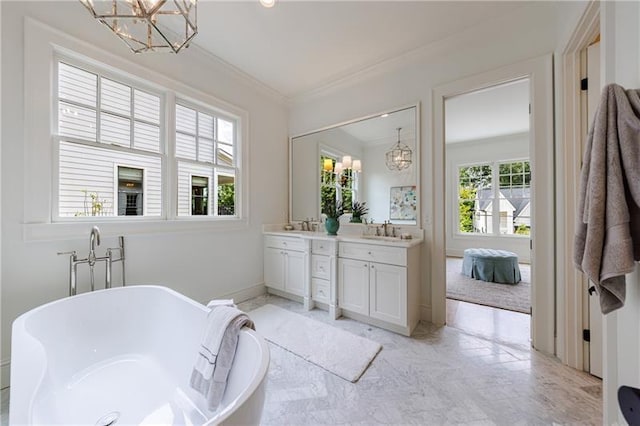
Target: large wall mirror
x=375 y=160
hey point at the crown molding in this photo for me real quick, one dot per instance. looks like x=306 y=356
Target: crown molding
x=236 y=72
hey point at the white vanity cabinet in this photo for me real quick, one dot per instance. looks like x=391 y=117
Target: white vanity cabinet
x=324 y=254
x=379 y=284
x=285 y=262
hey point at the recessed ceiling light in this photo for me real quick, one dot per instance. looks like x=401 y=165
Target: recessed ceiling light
x=268 y=3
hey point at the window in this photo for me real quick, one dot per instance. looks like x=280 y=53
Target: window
x=515 y=187
x=130 y=191
x=112 y=137
x=486 y=208
x=199 y=195
x=205 y=146
x=475 y=199
x=342 y=186
x=103 y=123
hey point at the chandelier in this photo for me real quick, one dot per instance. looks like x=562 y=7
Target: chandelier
x=148 y=25
x=399 y=156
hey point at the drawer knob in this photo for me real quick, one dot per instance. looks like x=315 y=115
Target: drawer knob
x=369 y=253
x=284 y=243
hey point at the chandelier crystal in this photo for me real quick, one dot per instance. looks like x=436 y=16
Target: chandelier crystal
x=148 y=25
x=399 y=156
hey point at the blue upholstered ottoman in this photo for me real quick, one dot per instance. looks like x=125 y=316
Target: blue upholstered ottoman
x=498 y=266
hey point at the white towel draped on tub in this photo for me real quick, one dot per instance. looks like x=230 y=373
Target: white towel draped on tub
x=217 y=350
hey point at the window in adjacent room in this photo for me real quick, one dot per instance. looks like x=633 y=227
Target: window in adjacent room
x=495 y=198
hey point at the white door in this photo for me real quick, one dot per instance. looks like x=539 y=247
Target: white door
x=353 y=285
x=294 y=281
x=595 y=315
x=274 y=268
x=388 y=293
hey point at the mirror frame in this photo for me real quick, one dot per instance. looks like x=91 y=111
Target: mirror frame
x=418 y=155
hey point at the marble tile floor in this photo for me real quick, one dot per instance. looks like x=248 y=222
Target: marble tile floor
x=498 y=325
x=438 y=376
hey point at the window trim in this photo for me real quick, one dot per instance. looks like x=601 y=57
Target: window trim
x=42 y=46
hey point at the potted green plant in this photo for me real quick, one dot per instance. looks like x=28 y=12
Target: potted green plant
x=333 y=209
x=358 y=210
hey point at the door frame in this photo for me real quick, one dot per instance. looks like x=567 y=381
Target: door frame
x=539 y=71
x=573 y=314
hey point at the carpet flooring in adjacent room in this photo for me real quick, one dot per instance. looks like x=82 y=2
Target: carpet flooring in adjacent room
x=513 y=297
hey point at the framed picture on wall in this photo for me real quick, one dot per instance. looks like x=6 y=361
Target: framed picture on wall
x=403 y=203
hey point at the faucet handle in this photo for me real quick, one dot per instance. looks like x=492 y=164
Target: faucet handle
x=62 y=253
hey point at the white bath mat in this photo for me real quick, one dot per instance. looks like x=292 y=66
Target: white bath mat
x=337 y=351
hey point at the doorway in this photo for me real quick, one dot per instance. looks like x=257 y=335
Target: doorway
x=541 y=151
x=488 y=211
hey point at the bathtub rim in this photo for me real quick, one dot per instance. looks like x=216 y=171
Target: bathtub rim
x=256 y=382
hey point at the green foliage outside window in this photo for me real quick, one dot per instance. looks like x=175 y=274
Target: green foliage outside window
x=226 y=199
x=330 y=184
x=467 y=202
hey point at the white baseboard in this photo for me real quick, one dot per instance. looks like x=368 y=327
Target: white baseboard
x=425 y=313
x=5 y=369
x=245 y=294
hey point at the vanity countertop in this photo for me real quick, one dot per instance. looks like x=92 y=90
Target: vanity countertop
x=365 y=239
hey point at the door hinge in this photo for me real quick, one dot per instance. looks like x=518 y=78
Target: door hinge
x=584 y=84
x=530 y=244
x=529 y=109
x=586 y=335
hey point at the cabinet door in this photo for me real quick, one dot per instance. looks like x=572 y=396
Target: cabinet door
x=353 y=285
x=388 y=293
x=274 y=268
x=294 y=280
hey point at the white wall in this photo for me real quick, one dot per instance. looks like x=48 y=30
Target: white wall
x=528 y=32
x=200 y=264
x=509 y=147
x=620 y=59
x=378 y=181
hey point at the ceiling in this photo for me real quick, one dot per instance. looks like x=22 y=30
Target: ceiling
x=298 y=46
x=495 y=111
x=383 y=129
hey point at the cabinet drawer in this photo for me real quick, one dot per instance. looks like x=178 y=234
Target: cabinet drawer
x=320 y=267
x=322 y=247
x=374 y=253
x=284 y=242
x=320 y=290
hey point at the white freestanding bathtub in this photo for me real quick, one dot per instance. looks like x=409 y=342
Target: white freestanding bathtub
x=124 y=356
